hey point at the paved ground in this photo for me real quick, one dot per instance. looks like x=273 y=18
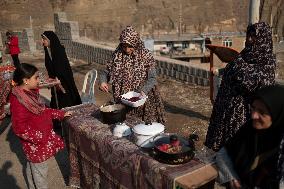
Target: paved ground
x=188 y=109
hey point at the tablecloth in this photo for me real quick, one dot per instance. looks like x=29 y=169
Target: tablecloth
x=100 y=160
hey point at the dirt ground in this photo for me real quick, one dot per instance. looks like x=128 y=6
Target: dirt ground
x=188 y=109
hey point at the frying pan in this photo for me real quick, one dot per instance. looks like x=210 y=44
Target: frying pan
x=185 y=154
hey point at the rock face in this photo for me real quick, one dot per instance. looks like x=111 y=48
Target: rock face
x=15 y=14
x=19 y=14
x=103 y=20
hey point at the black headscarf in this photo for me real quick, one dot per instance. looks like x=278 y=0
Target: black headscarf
x=57 y=65
x=250 y=143
x=56 y=50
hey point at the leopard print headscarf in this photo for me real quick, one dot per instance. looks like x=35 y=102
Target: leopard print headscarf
x=129 y=72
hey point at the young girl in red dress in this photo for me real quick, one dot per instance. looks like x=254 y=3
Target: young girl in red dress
x=32 y=123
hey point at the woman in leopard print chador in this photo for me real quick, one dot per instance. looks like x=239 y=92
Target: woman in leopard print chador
x=132 y=68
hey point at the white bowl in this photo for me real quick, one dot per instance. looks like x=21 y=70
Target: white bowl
x=121 y=130
x=131 y=94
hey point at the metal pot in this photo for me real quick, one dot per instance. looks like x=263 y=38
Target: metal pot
x=144 y=133
x=185 y=153
x=113 y=113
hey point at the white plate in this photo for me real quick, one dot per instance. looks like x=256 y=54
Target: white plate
x=131 y=94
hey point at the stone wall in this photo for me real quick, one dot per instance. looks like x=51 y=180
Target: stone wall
x=87 y=50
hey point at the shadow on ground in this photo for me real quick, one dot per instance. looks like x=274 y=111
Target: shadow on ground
x=16 y=147
x=178 y=110
x=7 y=181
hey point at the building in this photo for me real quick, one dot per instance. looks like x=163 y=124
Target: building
x=235 y=40
x=187 y=47
x=191 y=47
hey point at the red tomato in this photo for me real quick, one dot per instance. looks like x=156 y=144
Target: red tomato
x=164 y=147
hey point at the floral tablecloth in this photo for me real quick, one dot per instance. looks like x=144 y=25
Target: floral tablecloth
x=100 y=160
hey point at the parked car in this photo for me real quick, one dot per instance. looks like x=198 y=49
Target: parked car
x=165 y=50
x=177 y=51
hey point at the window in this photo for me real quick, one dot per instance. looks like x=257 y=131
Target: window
x=185 y=44
x=170 y=44
x=227 y=42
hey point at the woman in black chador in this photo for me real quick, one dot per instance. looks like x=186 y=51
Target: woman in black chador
x=57 y=65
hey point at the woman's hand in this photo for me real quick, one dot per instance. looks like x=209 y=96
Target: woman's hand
x=59 y=86
x=142 y=94
x=104 y=87
x=68 y=114
x=235 y=184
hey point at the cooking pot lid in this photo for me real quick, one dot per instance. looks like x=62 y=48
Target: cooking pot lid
x=149 y=128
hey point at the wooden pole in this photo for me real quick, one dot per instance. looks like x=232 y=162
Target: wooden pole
x=211 y=77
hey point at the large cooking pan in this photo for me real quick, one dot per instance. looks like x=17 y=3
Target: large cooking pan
x=184 y=152
x=113 y=113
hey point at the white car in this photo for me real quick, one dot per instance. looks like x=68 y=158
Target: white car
x=165 y=50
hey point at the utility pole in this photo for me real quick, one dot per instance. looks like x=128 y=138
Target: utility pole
x=31 y=22
x=271 y=21
x=254 y=11
x=180 y=19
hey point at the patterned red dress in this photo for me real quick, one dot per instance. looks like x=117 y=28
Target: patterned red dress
x=35 y=131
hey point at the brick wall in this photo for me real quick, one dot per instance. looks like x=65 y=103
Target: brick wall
x=87 y=50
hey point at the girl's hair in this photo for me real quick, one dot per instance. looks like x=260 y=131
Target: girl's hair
x=24 y=71
x=8 y=33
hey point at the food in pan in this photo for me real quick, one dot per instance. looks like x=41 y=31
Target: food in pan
x=173 y=147
x=170 y=149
